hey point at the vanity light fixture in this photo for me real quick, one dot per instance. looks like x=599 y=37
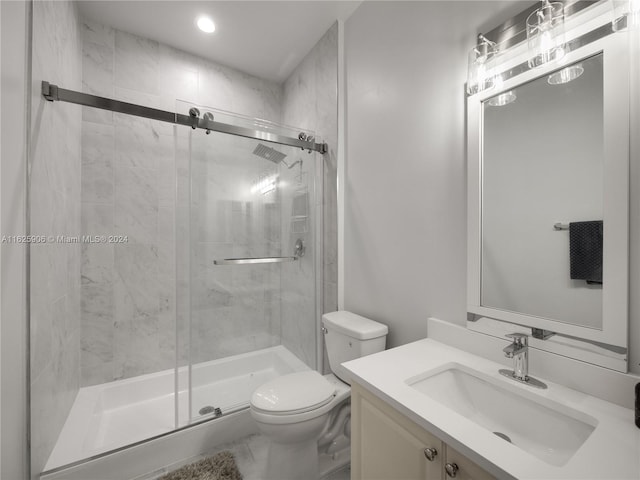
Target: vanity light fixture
x=565 y=75
x=205 y=24
x=479 y=73
x=626 y=14
x=545 y=33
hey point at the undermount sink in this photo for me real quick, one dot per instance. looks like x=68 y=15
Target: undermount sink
x=548 y=430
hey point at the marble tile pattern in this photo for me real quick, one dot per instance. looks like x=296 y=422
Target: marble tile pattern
x=234 y=309
x=310 y=102
x=147 y=301
x=134 y=182
x=55 y=197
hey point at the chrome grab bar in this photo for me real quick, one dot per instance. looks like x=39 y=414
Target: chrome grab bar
x=253 y=261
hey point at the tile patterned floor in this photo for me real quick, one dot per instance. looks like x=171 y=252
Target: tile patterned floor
x=251 y=455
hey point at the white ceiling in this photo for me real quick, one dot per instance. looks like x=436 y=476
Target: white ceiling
x=265 y=38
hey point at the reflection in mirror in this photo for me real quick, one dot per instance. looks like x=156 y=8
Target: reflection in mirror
x=542 y=164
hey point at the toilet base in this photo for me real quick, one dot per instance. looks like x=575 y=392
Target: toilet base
x=336 y=459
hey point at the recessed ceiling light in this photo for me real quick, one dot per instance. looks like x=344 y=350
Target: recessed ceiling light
x=206 y=24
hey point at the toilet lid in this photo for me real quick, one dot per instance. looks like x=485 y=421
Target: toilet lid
x=293 y=393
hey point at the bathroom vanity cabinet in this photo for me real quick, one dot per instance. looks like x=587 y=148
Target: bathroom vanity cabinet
x=385 y=444
x=398 y=412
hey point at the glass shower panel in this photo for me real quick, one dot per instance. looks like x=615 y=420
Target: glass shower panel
x=103 y=287
x=250 y=294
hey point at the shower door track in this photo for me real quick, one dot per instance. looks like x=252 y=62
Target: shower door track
x=54 y=93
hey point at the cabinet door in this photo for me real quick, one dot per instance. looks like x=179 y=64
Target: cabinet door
x=388 y=446
x=466 y=469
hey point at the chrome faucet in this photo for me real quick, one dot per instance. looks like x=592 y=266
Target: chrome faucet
x=519 y=351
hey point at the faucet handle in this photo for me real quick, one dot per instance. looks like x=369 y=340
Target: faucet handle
x=518 y=338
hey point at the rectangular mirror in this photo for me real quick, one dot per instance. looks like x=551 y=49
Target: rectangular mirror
x=543 y=150
x=548 y=196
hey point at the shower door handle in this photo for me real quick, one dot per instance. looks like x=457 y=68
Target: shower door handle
x=253 y=261
x=298 y=252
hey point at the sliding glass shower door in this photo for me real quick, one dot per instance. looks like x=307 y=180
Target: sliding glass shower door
x=246 y=227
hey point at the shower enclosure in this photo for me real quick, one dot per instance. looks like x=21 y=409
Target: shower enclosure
x=183 y=252
x=247 y=261
x=199 y=271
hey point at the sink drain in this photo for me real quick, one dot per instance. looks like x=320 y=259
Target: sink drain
x=209 y=409
x=503 y=436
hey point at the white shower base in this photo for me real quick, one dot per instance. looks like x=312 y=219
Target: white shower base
x=113 y=415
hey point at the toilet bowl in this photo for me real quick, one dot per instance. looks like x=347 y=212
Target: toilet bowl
x=304 y=411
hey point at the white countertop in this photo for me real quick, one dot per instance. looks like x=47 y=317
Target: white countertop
x=611 y=452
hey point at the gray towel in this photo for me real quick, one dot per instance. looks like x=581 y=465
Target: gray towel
x=585 y=251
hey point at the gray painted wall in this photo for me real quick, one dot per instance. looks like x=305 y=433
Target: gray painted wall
x=405 y=206
x=13 y=154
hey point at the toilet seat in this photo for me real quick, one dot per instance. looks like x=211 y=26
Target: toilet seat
x=293 y=394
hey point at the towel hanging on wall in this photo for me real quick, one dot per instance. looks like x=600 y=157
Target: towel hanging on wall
x=585 y=251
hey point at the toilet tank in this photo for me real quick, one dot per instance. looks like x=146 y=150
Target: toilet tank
x=349 y=336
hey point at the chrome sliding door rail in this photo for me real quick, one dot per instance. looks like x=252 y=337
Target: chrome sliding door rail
x=253 y=261
x=54 y=93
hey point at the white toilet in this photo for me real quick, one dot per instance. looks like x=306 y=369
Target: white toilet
x=304 y=411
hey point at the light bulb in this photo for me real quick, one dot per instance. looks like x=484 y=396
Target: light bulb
x=545 y=34
x=206 y=24
x=566 y=75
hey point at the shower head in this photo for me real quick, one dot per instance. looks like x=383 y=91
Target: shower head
x=272 y=155
x=269 y=153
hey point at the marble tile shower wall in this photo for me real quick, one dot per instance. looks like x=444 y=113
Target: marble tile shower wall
x=128 y=188
x=235 y=309
x=311 y=102
x=54 y=191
